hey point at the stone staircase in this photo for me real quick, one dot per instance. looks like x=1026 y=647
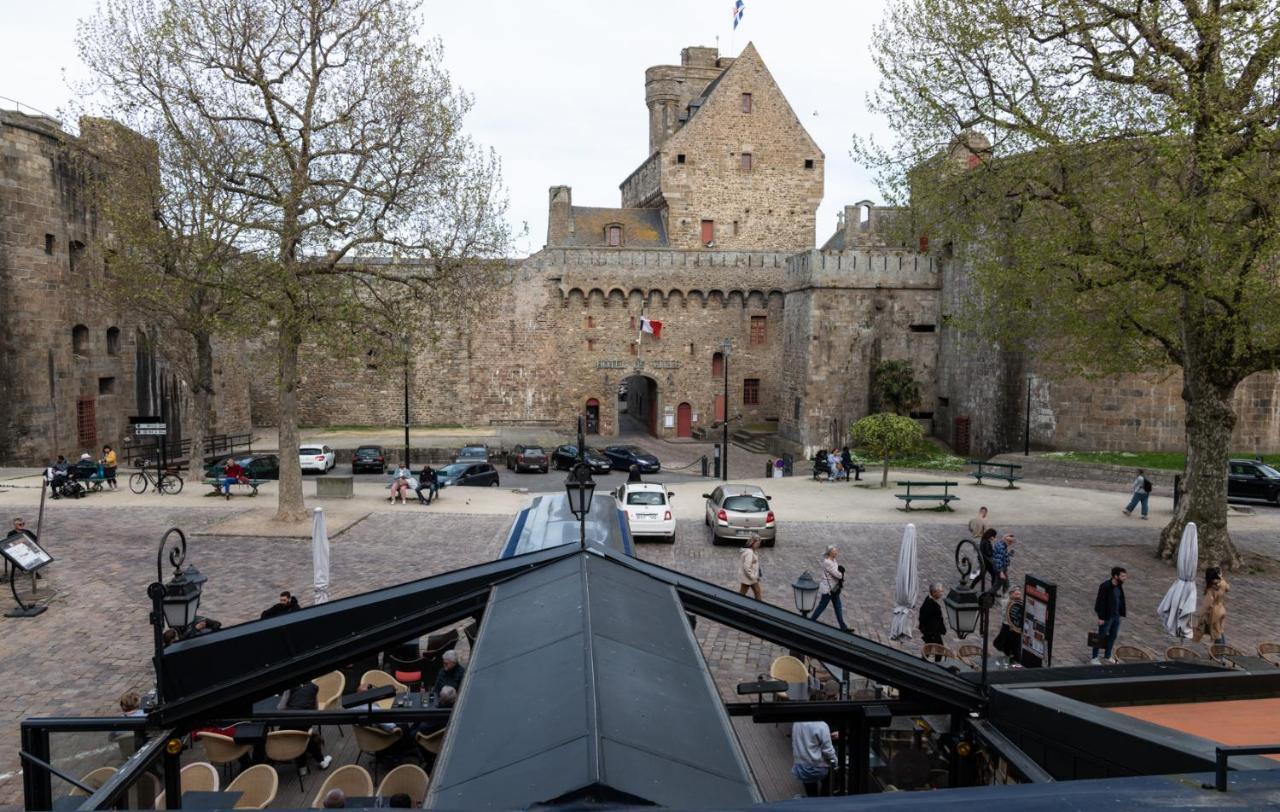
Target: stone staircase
x=752 y=439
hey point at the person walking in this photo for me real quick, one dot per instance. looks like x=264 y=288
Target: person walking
x=1009 y=640
x=931 y=624
x=829 y=588
x=978 y=524
x=1001 y=557
x=749 y=568
x=109 y=464
x=813 y=755
x=1109 y=607
x=1213 y=614
x=1141 y=494
x=987 y=548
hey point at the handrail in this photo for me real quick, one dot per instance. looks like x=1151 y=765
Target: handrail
x=1221 y=754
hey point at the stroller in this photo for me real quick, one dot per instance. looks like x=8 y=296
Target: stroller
x=64 y=484
x=821 y=468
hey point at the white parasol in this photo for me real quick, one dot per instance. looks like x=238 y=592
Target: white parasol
x=905 y=587
x=320 y=558
x=1177 y=610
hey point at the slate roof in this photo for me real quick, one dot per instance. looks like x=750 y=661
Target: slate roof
x=641 y=228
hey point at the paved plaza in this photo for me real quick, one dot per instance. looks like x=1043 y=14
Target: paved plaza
x=94 y=642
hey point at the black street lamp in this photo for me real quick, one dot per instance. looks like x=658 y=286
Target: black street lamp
x=174 y=604
x=725 y=347
x=805 y=591
x=967 y=608
x=580 y=487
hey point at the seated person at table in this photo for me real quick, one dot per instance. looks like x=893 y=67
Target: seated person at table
x=335 y=799
x=387 y=726
x=451 y=673
x=304 y=697
x=400 y=800
x=445 y=699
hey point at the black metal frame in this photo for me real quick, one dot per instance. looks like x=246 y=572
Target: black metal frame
x=1223 y=753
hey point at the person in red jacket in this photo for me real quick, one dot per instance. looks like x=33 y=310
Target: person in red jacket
x=232 y=472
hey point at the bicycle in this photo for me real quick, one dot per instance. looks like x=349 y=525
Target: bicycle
x=167 y=481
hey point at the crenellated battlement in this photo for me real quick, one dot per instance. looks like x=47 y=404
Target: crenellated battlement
x=889 y=268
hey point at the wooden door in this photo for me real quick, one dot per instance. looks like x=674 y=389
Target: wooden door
x=719 y=407
x=684 y=420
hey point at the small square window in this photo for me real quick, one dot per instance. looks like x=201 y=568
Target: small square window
x=808 y=163
x=744 y=162
x=106 y=386
x=632 y=347
x=735 y=228
x=615 y=236
x=746 y=102
x=758 y=331
x=591 y=321
x=680 y=157
x=48 y=243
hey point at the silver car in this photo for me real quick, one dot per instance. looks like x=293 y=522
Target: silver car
x=734 y=512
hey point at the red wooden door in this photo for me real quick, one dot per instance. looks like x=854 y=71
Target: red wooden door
x=684 y=420
x=719 y=407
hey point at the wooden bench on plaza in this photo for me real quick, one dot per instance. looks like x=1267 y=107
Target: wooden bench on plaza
x=249 y=484
x=995 y=470
x=943 y=499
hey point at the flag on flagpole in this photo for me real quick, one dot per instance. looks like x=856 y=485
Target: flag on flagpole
x=651 y=326
x=737 y=13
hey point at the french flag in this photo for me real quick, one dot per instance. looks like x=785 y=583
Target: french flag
x=651 y=326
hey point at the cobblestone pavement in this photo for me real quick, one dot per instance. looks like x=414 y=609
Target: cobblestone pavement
x=94 y=642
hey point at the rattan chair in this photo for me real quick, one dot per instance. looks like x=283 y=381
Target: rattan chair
x=257 y=786
x=1134 y=654
x=379 y=679
x=1269 y=652
x=222 y=750
x=931 y=650
x=470 y=631
x=374 y=740
x=352 y=779
x=283 y=746
x=199 y=776
x=970 y=655
x=409 y=779
x=1221 y=651
x=1184 y=654
x=93 y=779
x=791 y=671
x=432 y=742
x=330 y=687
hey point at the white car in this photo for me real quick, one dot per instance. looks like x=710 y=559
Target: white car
x=318 y=458
x=648 y=508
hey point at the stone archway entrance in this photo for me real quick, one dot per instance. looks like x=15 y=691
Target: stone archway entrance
x=639 y=412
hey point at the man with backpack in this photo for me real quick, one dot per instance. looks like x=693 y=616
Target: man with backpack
x=1141 y=494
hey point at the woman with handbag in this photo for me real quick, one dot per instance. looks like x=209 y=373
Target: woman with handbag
x=1009 y=640
x=829 y=588
x=749 y=568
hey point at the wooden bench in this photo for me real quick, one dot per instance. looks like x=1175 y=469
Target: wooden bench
x=251 y=484
x=943 y=499
x=995 y=470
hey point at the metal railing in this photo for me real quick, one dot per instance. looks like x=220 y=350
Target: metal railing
x=1223 y=753
x=181 y=450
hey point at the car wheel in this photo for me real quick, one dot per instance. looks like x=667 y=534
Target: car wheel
x=770 y=542
x=706 y=519
x=494 y=483
x=671 y=539
x=543 y=470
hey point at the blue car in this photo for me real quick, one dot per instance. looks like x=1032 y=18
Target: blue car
x=625 y=456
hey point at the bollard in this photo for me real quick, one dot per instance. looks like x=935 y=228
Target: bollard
x=705 y=465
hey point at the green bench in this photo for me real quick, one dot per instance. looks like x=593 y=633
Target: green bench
x=943 y=499
x=216 y=483
x=995 y=470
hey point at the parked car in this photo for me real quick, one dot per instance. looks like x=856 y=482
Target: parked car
x=369 y=458
x=625 y=456
x=467 y=473
x=472 y=453
x=528 y=458
x=566 y=456
x=256 y=466
x=319 y=458
x=648 y=509
x=1247 y=479
x=734 y=512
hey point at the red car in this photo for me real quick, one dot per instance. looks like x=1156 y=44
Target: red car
x=528 y=458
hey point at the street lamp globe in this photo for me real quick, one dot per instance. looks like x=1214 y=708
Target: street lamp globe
x=963 y=608
x=182 y=597
x=580 y=487
x=805 y=591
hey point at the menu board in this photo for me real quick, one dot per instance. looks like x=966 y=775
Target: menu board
x=24 y=552
x=1039 y=600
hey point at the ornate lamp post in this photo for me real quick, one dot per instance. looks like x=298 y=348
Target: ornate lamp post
x=805 y=591
x=175 y=603
x=580 y=487
x=967 y=608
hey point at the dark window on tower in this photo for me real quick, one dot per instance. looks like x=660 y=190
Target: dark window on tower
x=106 y=386
x=591 y=344
x=615 y=236
x=48 y=243
x=708 y=231
x=757 y=329
x=632 y=347
x=371 y=359
x=744 y=162
x=680 y=157
x=86 y=422
x=591 y=321
x=80 y=339
x=751 y=392
x=808 y=163
x=735 y=228
x=717 y=365
x=113 y=341
x=75 y=249
x=746 y=102
x=923 y=328
x=795 y=410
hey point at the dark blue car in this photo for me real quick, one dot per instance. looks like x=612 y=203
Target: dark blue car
x=566 y=456
x=625 y=456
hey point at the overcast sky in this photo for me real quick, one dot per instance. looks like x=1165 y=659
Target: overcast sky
x=559 y=86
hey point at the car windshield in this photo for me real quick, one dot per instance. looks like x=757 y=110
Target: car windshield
x=310 y=450
x=533 y=449
x=453 y=470
x=634 y=449
x=1268 y=471
x=595 y=451
x=746 y=504
x=473 y=451
x=368 y=452
x=646 y=498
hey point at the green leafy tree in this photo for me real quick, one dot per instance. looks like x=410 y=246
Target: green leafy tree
x=894 y=387
x=1122 y=215
x=885 y=436
x=337 y=135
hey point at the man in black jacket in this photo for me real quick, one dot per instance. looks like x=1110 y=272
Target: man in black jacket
x=287 y=603
x=306 y=697
x=932 y=625
x=1109 y=607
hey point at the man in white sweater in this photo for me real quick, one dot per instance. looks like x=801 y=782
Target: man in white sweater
x=814 y=755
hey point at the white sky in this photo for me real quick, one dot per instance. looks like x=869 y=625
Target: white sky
x=559 y=87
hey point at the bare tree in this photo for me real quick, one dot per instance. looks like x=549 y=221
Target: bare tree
x=337 y=135
x=1123 y=217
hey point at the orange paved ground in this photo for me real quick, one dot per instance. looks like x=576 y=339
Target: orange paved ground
x=1237 y=721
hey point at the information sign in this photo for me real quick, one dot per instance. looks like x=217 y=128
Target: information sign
x=24 y=552
x=1039 y=601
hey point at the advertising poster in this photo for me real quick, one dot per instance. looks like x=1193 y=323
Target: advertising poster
x=1039 y=599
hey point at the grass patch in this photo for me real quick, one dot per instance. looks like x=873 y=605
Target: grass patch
x=929 y=458
x=1157 y=460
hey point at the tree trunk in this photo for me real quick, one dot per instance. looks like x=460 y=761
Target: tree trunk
x=290 y=507
x=884 y=474
x=202 y=388
x=1209 y=423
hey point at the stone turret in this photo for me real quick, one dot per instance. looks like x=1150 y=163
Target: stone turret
x=668 y=89
x=559 y=215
